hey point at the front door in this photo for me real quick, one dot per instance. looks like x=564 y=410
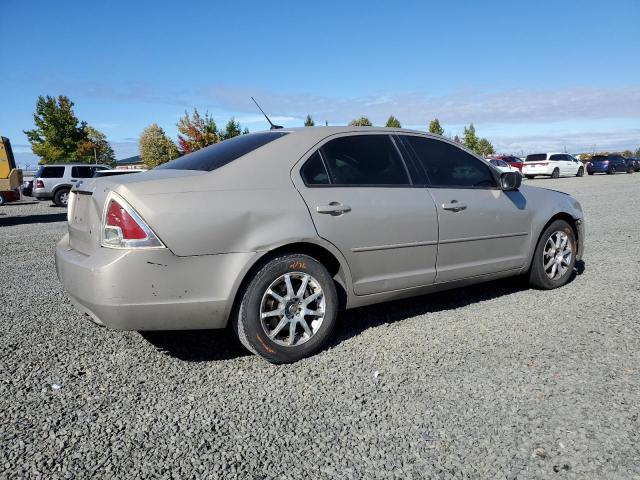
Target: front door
x=361 y=199
x=482 y=228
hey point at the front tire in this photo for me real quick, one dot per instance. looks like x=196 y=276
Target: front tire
x=61 y=198
x=590 y=173
x=288 y=310
x=580 y=172
x=554 y=258
x=555 y=173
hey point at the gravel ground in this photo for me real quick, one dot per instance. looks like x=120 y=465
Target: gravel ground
x=494 y=381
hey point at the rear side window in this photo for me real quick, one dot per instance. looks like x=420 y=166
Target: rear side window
x=215 y=156
x=449 y=166
x=364 y=160
x=313 y=171
x=536 y=157
x=51 y=172
x=82 y=172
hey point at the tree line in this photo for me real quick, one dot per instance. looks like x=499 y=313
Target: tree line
x=59 y=136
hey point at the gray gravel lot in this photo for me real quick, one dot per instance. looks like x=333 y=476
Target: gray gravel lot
x=494 y=381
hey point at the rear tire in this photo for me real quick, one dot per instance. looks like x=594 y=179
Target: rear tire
x=611 y=171
x=1 y=199
x=580 y=172
x=277 y=289
x=555 y=173
x=61 y=198
x=590 y=173
x=554 y=258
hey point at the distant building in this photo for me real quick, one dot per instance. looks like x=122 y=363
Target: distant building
x=129 y=163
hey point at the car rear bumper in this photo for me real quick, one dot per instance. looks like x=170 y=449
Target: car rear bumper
x=150 y=289
x=597 y=168
x=41 y=194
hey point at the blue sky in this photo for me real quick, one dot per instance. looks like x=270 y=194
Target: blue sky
x=531 y=76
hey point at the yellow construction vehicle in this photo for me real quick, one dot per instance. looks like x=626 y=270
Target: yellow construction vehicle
x=10 y=176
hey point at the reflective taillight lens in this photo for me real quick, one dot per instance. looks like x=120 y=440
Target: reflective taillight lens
x=122 y=227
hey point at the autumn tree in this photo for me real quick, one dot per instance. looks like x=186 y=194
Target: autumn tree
x=196 y=132
x=627 y=154
x=156 y=147
x=58 y=132
x=435 y=127
x=308 y=122
x=95 y=148
x=393 y=122
x=360 y=122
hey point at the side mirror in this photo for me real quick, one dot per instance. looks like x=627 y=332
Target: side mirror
x=510 y=181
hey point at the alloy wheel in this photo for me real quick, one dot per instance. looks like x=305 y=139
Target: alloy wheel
x=557 y=255
x=292 y=309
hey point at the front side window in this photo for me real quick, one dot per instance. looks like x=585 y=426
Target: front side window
x=364 y=160
x=51 y=172
x=449 y=166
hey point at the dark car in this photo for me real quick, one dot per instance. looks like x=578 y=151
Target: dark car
x=634 y=163
x=27 y=188
x=608 y=164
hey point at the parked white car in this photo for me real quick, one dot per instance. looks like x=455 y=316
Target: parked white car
x=502 y=165
x=552 y=165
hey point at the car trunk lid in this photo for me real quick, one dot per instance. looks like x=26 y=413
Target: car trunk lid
x=87 y=201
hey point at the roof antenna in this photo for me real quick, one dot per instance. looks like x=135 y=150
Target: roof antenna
x=273 y=127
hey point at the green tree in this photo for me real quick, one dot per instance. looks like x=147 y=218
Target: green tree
x=232 y=129
x=57 y=132
x=470 y=139
x=156 y=147
x=95 y=148
x=393 y=122
x=196 y=132
x=360 y=122
x=637 y=153
x=485 y=148
x=308 y=122
x=435 y=127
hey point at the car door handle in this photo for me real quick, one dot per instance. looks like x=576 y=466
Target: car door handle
x=74 y=180
x=334 y=208
x=454 y=206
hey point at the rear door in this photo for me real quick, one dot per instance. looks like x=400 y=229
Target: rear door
x=557 y=161
x=482 y=228
x=362 y=199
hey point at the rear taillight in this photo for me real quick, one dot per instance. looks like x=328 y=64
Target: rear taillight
x=122 y=227
x=39 y=184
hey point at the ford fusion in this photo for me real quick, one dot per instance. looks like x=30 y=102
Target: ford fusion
x=274 y=232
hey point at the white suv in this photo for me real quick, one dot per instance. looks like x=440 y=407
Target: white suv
x=552 y=165
x=53 y=182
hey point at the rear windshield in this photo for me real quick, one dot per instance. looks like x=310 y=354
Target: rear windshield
x=599 y=158
x=215 y=156
x=536 y=157
x=50 y=172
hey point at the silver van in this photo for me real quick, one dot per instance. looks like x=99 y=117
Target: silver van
x=53 y=182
